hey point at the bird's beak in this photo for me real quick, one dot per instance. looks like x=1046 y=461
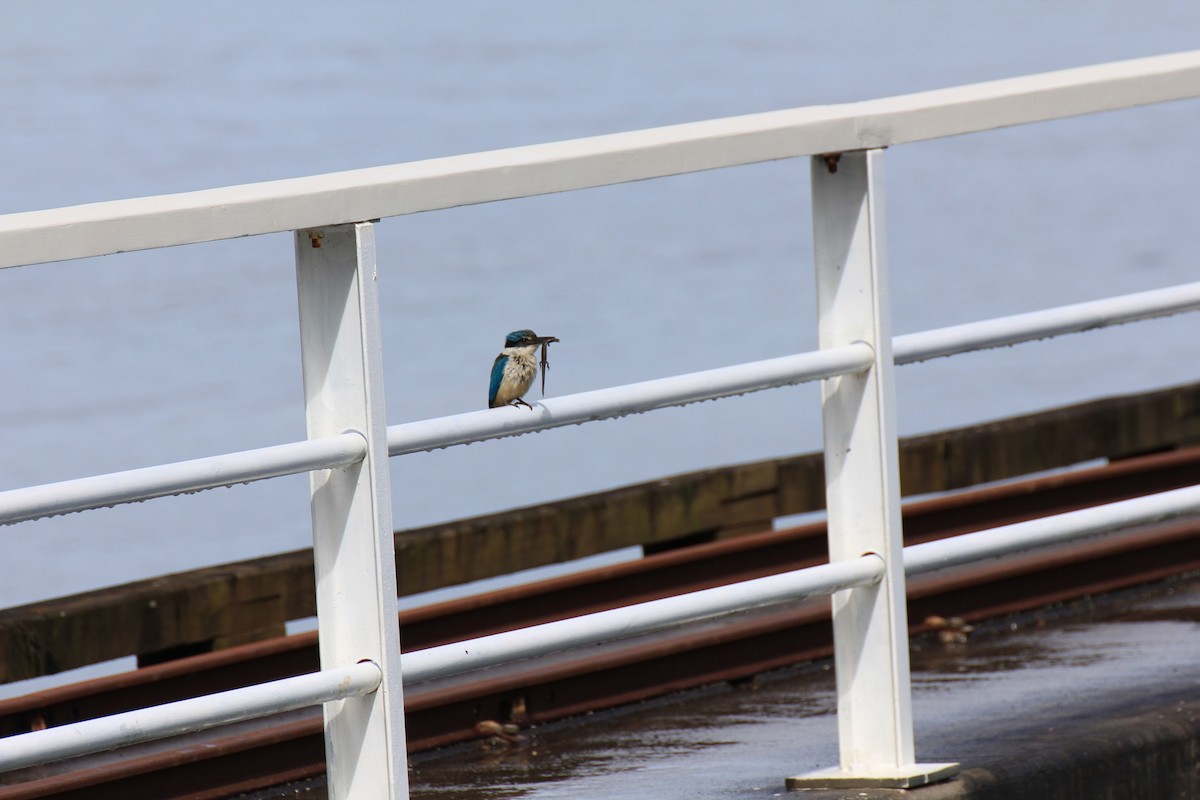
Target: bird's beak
x=546 y=339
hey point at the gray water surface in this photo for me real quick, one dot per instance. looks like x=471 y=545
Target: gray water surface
x=147 y=358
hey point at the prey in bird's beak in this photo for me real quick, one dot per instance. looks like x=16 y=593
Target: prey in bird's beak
x=545 y=341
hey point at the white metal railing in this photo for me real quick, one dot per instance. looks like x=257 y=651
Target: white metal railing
x=1033 y=325
x=1032 y=534
x=136 y=485
x=319 y=201
x=448 y=660
x=188 y=716
x=360 y=686
x=553 y=412
x=20 y=505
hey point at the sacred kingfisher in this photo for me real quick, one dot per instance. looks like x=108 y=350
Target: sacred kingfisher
x=514 y=369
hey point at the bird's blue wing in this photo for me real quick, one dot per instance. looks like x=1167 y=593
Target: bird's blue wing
x=497 y=377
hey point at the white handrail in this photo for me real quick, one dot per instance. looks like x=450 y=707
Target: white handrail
x=575 y=409
x=124 y=225
x=444 y=661
x=186 y=716
x=1045 y=324
x=1021 y=537
x=130 y=486
x=628 y=621
x=183 y=477
x=449 y=660
x=633 y=398
x=18 y=505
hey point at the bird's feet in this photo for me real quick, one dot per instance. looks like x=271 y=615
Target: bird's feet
x=520 y=402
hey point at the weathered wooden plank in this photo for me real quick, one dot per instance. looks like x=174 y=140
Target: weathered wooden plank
x=250 y=600
x=160 y=617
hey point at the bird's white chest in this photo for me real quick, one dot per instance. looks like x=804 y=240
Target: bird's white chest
x=520 y=369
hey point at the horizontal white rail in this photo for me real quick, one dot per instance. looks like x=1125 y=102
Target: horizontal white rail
x=296 y=204
x=634 y=398
x=187 y=716
x=621 y=623
x=18 y=505
x=1047 y=531
x=575 y=409
x=1050 y=322
x=135 y=485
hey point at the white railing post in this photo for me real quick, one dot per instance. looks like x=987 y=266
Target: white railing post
x=875 y=730
x=351 y=508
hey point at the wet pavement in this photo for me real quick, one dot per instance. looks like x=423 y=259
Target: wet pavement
x=1013 y=692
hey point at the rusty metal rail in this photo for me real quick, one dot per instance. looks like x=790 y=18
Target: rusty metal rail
x=447 y=712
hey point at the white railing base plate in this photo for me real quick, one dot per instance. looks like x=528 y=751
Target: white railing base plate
x=907 y=777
